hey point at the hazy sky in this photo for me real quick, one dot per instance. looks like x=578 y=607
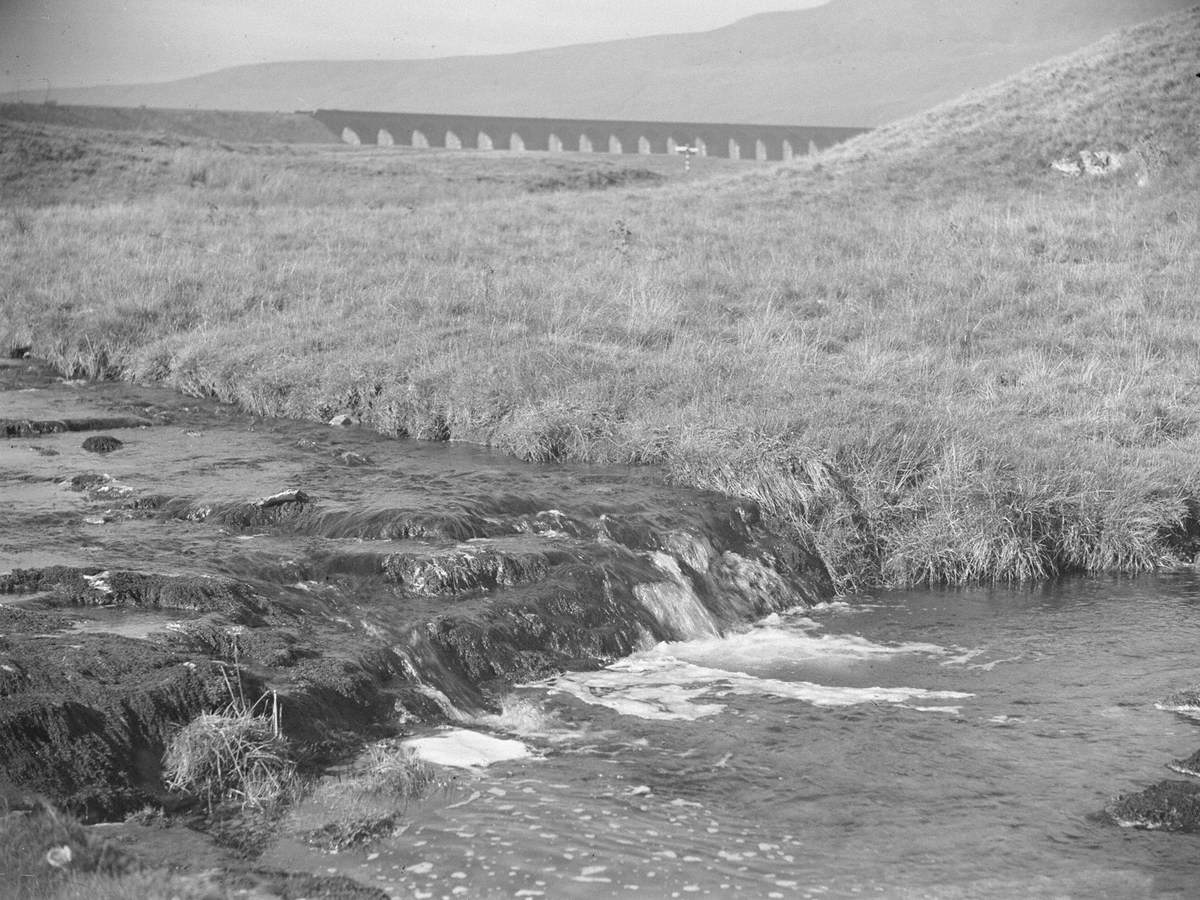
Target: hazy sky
x=83 y=42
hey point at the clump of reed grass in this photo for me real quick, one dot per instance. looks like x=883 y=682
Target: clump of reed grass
x=366 y=802
x=964 y=517
x=393 y=772
x=236 y=754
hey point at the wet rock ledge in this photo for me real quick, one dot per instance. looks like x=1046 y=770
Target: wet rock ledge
x=368 y=585
x=1171 y=804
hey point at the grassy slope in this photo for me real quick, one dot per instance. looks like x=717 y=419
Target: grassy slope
x=293 y=128
x=44 y=165
x=927 y=353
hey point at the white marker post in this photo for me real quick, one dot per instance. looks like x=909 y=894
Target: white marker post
x=687 y=153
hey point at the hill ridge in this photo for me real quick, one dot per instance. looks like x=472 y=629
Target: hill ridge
x=1092 y=109
x=824 y=64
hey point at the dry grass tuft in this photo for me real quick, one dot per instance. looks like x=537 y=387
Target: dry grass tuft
x=393 y=772
x=238 y=754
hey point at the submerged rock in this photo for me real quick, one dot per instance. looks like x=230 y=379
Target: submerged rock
x=1166 y=806
x=87 y=480
x=102 y=443
x=102 y=488
x=345 y=834
x=279 y=499
x=327 y=693
x=32 y=427
x=27 y=581
x=265 y=511
x=464 y=569
x=268 y=647
x=260 y=883
x=91 y=586
x=353 y=458
x=1186 y=701
x=1189 y=766
x=18 y=620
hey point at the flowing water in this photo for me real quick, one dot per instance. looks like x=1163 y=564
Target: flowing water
x=920 y=744
x=917 y=744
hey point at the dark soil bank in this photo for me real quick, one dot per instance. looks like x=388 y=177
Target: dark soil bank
x=369 y=582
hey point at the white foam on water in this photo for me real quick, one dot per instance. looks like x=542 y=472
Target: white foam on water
x=1189 y=709
x=660 y=686
x=1182 y=768
x=99 y=582
x=963 y=658
x=519 y=716
x=769 y=646
x=1007 y=720
x=528 y=719
x=463 y=749
x=475 y=795
x=617 y=687
x=839 y=606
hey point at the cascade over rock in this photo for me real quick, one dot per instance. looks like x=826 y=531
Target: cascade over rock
x=416 y=584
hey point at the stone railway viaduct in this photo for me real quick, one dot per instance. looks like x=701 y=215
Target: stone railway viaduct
x=764 y=142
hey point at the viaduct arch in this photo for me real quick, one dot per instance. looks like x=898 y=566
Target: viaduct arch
x=767 y=142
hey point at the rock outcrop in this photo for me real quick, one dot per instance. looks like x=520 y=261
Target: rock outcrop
x=1091 y=163
x=1166 y=806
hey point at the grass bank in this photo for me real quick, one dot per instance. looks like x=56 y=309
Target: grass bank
x=223 y=125
x=927 y=354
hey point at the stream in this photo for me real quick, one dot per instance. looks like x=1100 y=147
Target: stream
x=746 y=736
x=913 y=744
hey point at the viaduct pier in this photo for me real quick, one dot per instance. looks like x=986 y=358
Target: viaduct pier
x=729 y=141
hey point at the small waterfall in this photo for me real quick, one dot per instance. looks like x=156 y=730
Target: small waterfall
x=436 y=684
x=675 y=604
x=586 y=605
x=696 y=551
x=709 y=591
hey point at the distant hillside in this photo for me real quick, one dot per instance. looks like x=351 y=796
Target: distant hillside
x=242 y=127
x=1135 y=88
x=851 y=62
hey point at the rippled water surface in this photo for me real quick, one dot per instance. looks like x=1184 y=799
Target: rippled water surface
x=923 y=744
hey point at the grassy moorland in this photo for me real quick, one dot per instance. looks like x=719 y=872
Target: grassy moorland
x=274 y=127
x=925 y=352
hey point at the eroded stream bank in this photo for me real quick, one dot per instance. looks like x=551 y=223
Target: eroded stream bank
x=372 y=583
x=157 y=544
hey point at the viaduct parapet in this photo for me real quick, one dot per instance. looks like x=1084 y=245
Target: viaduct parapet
x=765 y=142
